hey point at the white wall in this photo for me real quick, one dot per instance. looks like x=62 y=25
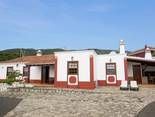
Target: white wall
x=101 y=66
x=83 y=57
x=51 y=72
x=84 y=65
x=35 y=73
x=16 y=66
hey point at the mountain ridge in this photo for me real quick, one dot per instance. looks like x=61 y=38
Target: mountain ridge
x=13 y=53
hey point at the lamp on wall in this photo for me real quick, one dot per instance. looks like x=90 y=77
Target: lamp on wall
x=110 y=60
x=72 y=58
x=17 y=65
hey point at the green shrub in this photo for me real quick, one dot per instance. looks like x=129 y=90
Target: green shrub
x=11 y=77
x=9 y=81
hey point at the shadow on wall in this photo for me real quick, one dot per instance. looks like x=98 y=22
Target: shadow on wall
x=7 y=104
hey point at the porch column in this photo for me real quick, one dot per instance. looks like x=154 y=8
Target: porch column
x=55 y=72
x=28 y=80
x=126 y=69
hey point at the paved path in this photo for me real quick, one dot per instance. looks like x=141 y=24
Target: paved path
x=103 y=102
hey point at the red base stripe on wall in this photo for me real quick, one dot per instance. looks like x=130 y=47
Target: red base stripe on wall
x=118 y=82
x=104 y=83
x=60 y=84
x=26 y=80
x=35 y=81
x=87 y=85
x=72 y=86
x=81 y=85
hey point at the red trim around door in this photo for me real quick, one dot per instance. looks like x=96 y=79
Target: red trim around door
x=55 y=72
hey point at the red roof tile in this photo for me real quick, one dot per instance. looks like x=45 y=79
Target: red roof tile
x=44 y=59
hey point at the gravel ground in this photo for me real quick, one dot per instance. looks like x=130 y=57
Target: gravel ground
x=102 y=102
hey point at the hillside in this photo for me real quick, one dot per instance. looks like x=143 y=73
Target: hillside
x=14 y=53
x=18 y=52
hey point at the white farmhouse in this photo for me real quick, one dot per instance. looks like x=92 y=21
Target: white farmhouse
x=85 y=69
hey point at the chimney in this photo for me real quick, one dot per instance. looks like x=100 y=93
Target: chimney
x=148 y=54
x=122 y=47
x=39 y=53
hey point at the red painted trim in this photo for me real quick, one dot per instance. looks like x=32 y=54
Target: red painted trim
x=72 y=86
x=82 y=85
x=35 y=81
x=60 y=84
x=55 y=71
x=87 y=85
x=102 y=82
x=118 y=82
x=92 y=83
x=91 y=69
x=26 y=79
x=126 y=69
x=72 y=79
x=139 y=54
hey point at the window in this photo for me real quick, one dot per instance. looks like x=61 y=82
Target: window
x=9 y=70
x=72 y=68
x=25 y=71
x=111 y=68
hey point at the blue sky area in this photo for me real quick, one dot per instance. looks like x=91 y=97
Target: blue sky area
x=76 y=24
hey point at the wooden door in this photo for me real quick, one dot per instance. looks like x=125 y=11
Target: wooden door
x=137 y=73
x=45 y=74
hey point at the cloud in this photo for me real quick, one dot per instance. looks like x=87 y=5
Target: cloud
x=17 y=18
x=19 y=25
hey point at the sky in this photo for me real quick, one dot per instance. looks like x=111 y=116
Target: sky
x=76 y=24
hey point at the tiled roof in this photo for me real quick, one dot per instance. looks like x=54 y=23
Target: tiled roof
x=44 y=59
x=141 y=50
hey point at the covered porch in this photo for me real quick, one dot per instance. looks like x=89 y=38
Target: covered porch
x=142 y=70
x=40 y=70
x=42 y=74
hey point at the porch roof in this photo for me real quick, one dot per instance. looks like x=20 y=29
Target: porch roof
x=34 y=60
x=150 y=62
x=42 y=60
